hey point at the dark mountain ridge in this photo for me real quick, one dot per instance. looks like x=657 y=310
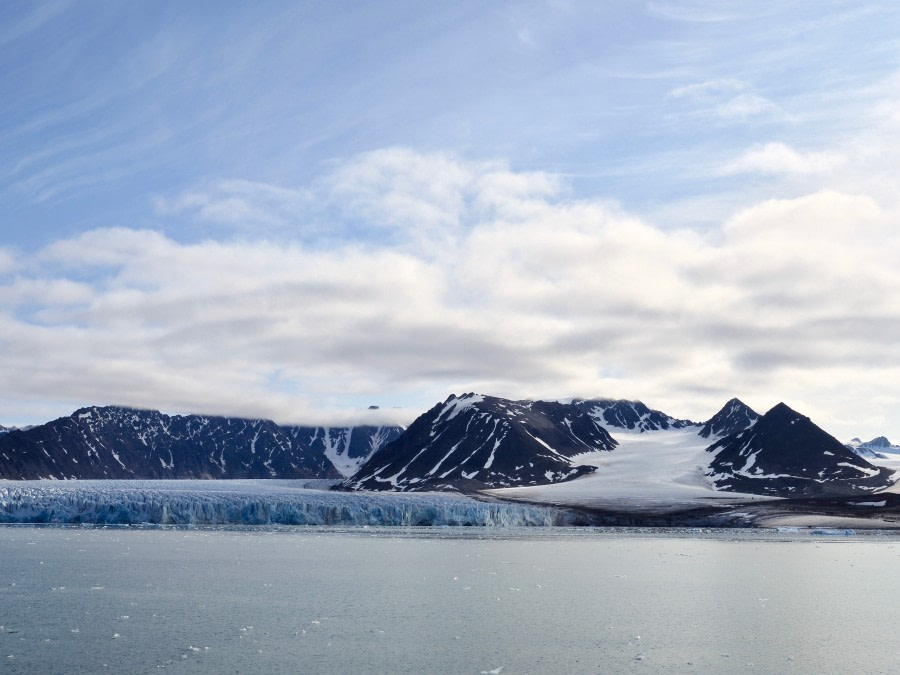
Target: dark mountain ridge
x=116 y=442
x=785 y=454
x=734 y=417
x=466 y=443
x=472 y=442
x=631 y=415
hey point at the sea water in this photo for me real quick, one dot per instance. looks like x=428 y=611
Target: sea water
x=445 y=600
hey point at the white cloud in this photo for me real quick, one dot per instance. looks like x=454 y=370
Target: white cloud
x=238 y=204
x=709 y=89
x=728 y=99
x=778 y=158
x=746 y=105
x=8 y=262
x=512 y=289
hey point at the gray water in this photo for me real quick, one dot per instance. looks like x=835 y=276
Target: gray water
x=131 y=600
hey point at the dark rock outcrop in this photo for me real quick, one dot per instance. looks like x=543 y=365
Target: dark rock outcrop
x=114 y=442
x=472 y=442
x=735 y=416
x=784 y=454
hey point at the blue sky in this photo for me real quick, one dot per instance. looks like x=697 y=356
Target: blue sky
x=297 y=209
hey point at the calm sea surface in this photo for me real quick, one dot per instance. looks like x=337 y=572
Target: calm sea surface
x=134 y=600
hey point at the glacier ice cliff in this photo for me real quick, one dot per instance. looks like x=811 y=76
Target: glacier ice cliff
x=252 y=502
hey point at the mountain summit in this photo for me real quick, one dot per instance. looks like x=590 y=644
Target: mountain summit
x=472 y=442
x=735 y=416
x=784 y=454
x=631 y=415
x=115 y=442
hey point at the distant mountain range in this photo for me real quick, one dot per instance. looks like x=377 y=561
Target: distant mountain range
x=475 y=442
x=877 y=448
x=467 y=443
x=114 y=442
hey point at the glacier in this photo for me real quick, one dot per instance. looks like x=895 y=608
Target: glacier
x=254 y=502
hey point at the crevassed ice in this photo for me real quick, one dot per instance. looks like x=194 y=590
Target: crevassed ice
x=251 y=502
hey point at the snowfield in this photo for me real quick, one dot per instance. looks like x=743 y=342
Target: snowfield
x=650 y=471
x=251 y=502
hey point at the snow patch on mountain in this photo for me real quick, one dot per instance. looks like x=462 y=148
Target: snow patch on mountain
x=784 y=454
x=114 y=442
x=631 y=415
x=475 y=441
x=734 y=417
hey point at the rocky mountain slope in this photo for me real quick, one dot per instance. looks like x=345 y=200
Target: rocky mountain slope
x=477 y=442
x=467 y=443
x=473 y=441
x=630 y=415
x=734 y=417
x=114 y=442
x=784 y=454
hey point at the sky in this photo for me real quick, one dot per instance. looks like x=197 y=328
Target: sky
x=296 y=210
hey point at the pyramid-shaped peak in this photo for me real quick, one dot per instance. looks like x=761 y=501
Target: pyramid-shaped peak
x=782 y=411
x=785 y=454
x=734 y=416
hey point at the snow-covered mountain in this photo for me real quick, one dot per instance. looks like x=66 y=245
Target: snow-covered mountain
x=785 y=454
x=878 y=448
x=614 y=448
x=473 y=441
x=581 y=453
x=631 y=415
x=734 y=417
x=115 y=442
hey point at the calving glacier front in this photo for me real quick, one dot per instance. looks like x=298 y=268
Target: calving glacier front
x=252 y=502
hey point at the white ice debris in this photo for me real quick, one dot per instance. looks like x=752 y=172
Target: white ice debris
x=250 y=502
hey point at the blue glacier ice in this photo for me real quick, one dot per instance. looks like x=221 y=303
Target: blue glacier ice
x=251 y=502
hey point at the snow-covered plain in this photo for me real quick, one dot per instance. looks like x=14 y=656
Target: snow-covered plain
x=251 y=502
x=651 y=471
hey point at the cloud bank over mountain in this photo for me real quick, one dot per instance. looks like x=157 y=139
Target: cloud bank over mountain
x=303 y=210
x=484 y=278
